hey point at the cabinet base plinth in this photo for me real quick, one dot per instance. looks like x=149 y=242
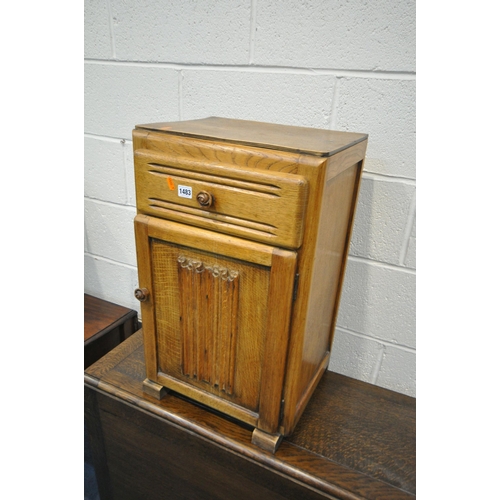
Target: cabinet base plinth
x=266 y=441
x=153 y=389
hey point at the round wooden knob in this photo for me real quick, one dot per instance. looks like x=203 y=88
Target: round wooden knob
x=205 y=199
x=141 y=294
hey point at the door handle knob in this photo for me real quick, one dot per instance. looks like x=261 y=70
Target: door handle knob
x=141 y=294
x=205 y=199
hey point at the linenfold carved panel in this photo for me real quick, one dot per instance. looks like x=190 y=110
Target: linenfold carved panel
x=209 y=312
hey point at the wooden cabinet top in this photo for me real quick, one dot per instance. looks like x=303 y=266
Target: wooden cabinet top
x=101 y=316
x=354 y=440
x=317 y=142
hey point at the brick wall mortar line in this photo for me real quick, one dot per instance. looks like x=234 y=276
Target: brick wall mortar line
x=335 y=100
x=180 y=97
x=110 y=203
x=378 y=364
x=111 y=30
x=106 y=138
x=253 y=28
x=124 y=171
x=386 y=343
x=345 y=73
x=109 y=261
x=385 y=265
x=407 y=233
x=387 y=178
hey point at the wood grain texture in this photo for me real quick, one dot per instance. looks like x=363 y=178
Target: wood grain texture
x=316 y=142
x=186 y=326
x=268 y=206
x=150 y=462
x=358 y=167
x=101 y=315
x=329 y=221
x=153 y=389
x=208 y=339
x=277 y=331
x=266 y=440
x=305 y=286
x=94 y=429
x=331 y=248
x=354 y=441
x=142 y=244
x=105 y=326
x=182 y=234
x=370 y=429
x=345 y=159
x=272 y=189
x=215 y=152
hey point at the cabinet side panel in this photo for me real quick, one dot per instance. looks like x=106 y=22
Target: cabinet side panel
x=332 y=240
x=332 y=243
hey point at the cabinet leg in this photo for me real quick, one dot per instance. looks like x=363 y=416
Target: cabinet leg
x=154 y=389
x=266 y=441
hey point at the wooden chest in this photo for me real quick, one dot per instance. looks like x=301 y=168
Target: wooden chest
x=106 y=326
x=242 y=233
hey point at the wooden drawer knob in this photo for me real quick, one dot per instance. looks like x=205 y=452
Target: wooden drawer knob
x=141 y=294
x=205 y=199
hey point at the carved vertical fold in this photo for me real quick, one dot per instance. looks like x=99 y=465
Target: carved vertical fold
x=209 y=298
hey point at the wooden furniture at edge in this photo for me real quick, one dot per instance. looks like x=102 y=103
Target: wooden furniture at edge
x=242 y=233
x=354 y=441
x=105 y=326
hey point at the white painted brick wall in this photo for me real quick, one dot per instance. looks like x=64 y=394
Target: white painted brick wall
x=378 y=301
x=109 y=231
x=105 y=175
x=382 y=214
x=117 y=96
x=191 y=31
x=339 y=34
x=290 y=98
x=338 y=64
x=386 y=109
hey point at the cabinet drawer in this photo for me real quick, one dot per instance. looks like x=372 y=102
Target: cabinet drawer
x=259 y=205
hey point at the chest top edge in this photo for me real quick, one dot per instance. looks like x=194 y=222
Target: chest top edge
x=303 y=140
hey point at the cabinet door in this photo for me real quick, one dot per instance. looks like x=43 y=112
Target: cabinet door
x=216 y=322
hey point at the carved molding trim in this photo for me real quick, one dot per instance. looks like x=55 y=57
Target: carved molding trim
x=198 y=266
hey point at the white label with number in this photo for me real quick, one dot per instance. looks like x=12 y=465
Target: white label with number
x=184 y=191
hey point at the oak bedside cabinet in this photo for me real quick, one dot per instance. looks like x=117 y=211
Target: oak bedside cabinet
x=242 y=233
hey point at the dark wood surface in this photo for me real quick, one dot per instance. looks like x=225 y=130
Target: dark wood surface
x=353 y=441
x=105 y=326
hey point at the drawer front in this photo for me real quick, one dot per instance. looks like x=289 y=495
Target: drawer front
x=259 y=205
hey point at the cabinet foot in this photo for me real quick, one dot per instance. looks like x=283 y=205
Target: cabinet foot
x=154 y=389
x=266 y=441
